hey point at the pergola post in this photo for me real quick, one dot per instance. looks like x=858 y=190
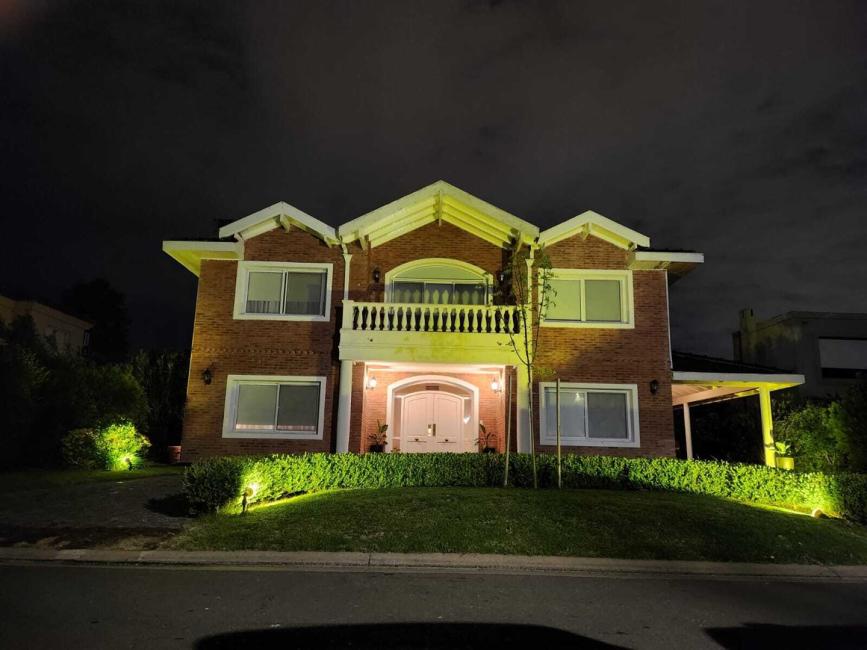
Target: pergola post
x=687 y=430
x=767 y=426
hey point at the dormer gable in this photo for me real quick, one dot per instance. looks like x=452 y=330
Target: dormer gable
x=592 y=223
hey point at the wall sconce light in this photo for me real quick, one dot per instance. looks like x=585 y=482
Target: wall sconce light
x=376 y=275
x=207 y=376
x=495 y=385
x=501 y=277
x=371 y=383
x=654 y=386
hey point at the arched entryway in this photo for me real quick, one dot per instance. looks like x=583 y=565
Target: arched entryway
x=432 y=413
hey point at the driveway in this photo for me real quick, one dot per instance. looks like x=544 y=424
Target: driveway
x=130 y=514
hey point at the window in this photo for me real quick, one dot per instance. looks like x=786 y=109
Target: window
x=440 y=293
x=283 y=291
x=438 y=281
x=274 y=407
x=602 y=415
x=582 y=298
x=843 y=358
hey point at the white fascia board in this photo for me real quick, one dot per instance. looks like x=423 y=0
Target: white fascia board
x=600 y=224
x=737 y=379
x=268 y=219
x=669 y=257
x=191 y=253
x=474 y=202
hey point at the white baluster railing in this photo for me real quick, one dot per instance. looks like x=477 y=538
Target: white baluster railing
x=410 y=317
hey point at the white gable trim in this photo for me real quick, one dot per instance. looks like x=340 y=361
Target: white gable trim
x=438 y=202
x=278 y=215
x=593 y=223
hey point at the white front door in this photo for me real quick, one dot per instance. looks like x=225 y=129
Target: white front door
x=432 y=421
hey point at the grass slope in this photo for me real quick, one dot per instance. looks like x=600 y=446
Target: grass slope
x=588 y=523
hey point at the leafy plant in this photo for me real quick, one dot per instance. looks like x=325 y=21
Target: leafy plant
x=783 y=448
x=485 y=437
x=379 y=437
x=116 y=446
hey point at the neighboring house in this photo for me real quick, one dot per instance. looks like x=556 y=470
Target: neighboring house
x=829 y=349
x=306 y=336
x=67 y=333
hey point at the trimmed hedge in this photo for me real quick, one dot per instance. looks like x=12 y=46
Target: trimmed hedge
x=221 y=484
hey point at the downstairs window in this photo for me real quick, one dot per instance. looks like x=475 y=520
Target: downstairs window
x=274 y=407
x=601 y=415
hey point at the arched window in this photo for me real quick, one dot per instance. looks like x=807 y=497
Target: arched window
x=438 y=281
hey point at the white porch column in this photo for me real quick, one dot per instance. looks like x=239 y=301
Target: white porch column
x=687 y=430
x=767 y=426
x=522 y=391
x=344 y=406
x=347 y=258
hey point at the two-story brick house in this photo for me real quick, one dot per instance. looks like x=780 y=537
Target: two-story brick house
x=307 y=337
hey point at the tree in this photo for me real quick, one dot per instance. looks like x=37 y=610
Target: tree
x=532 y=294
x=104 y=306
x=163 y=376
x=817 y=434
x=854 y=417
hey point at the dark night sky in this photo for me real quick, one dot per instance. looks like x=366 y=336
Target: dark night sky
x=738 y=129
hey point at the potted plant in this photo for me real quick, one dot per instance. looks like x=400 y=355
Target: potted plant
x=379 y=438
x=486 y=440
x=784 y=459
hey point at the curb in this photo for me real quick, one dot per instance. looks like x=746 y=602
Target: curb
x=449 y=562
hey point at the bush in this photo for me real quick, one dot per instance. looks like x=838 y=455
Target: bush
x=817 y=434
x=223 y=484
x=117 y=446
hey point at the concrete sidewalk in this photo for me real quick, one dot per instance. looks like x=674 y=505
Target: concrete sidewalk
x=448 y=562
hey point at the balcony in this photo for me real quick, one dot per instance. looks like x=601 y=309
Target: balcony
x=388 y=331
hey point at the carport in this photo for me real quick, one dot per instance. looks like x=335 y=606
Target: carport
x=720 y=381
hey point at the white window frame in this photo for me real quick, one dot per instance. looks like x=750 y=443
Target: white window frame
x=627 y=303
x=406 y=273
x=233 y=384
x=242 y=283
x=631 y=392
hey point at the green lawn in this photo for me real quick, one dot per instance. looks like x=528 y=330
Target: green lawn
x=588 y=523
x=34 y=479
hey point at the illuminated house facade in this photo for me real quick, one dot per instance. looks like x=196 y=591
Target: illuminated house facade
x=308 y=337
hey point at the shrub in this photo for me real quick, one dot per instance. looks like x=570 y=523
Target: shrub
x=116 y=446
x=817 y=435
x=223 y=483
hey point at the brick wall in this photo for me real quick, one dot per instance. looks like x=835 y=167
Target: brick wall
x=633 y=356
x=232 y=346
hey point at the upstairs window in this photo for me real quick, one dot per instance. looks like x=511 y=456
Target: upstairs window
x=283 y=291
x=585 y=298
x=438 y=282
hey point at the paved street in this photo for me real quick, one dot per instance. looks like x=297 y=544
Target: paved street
x=151 y=607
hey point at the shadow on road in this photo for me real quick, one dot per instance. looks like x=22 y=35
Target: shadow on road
x=758 y=635
x=430 y=636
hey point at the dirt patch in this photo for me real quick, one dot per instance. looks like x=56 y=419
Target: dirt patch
x=131 y=539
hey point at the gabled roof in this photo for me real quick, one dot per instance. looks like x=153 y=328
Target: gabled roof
x=593 y=223
x=276 y=216
x=439 y=201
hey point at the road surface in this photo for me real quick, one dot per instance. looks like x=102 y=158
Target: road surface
x=64 y=606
